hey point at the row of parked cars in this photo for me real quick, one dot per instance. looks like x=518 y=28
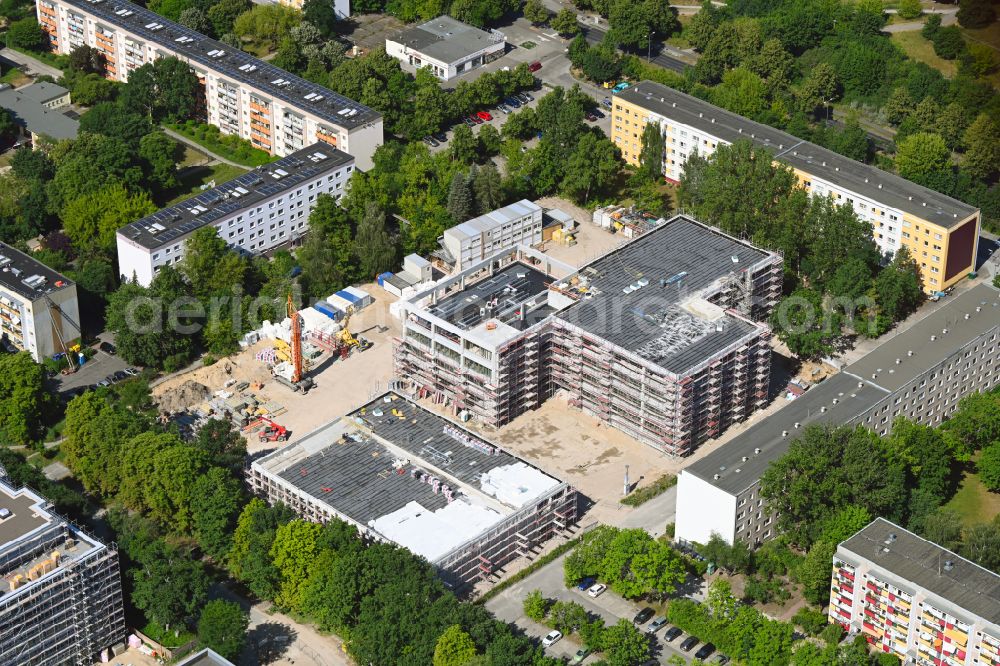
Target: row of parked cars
x=508 y=104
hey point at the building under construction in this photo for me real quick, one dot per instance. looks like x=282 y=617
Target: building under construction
x=662 y=337
x=403 y=474
x=61 y=599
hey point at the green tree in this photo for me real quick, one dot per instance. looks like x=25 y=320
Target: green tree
x=216 y=499
x=488 y=188
x=898 y=106
x=975 y=424
x=292 y=552
x=223 y=14
x=249 y=559
x=988 y=467
x=454 y=648
x=565 y=23
x=489 y=141
x=322 y=15
x=210 y=266
x=910 y=9
x=931 y=26
x=92 y=220
x=26 y=34
x=976 y=13
x=820 y=88
x=90 y=163
x=843 y=523
x=980 y=60
x=804 y=325
x=629 y=28
x=981 y=544
x=222 y=627
x=624 y=644
x=536 y=606
x=948 y=42
x=952 y=123
x=536 y=12
x=24 y=401
x=117 y=121
x=140 y=317
x=161 y=154
x=197 y=19
x=703 y=25
x=920 y=154
x=593 y=165
x=463 y=145
x=651 y=156
x=460 y=198
x=742 y=92
x=898 y=288
x=374 y=249
x=90 y=89
x=567 y=616
x=169 y=586
x=814 y=572
x=86 y=59
x=982 y=147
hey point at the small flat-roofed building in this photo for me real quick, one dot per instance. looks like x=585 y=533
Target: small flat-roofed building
x=206 y=657
x=921 y=373
x=446 y=46
x=472 y=241
x=36 y=110
x=660 y=338
x=60 y=589
x=254 y=212
x=39 y=311
x=941 y=233
x=403 y=474
x=910 y=597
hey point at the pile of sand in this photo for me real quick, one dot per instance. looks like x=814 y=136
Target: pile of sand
x=188 y=394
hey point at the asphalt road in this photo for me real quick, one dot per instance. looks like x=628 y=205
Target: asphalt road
x=29 y=65
x=658 y=56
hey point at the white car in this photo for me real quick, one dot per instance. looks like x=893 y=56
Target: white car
x=551 y=638
x=597 y=590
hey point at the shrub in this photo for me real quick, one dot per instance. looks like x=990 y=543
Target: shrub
x=536 y=606
x=832 y=634
x=910 y=9
x=948 y=43
x=811 y=620
x=646 y=493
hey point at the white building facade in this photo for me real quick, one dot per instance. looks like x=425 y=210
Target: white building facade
x=446 y=47
x=474 y=240
x=276 y=111
x=256 y=212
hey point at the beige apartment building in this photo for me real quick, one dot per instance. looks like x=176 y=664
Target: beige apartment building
x=940 y=232
x=276 y=111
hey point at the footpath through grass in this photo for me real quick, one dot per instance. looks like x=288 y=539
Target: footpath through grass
x=228 y=146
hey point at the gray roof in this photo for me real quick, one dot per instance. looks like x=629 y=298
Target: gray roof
x=965 y=586
x=230 y=62
x=651 y=320
x=764 y=441
x=26 y=105
x=43 y=91
x=853 y=400
x=867 y=181
x=510 y=286
x=444 y=39
x=488 y=221
x=207 y=657
x=958 y=316
x=25 y=518
x=240 y=193
x=28 y=277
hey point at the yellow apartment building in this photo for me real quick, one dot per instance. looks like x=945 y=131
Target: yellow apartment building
x=940 y=232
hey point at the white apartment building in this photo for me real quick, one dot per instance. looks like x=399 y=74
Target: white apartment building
x=910 y=597
x=341 y=7
x=922 y=373
x=276 y=111
x=39 y=312
x=256 y=212
x=517 y=224
x=940 y=232
x=446 y=46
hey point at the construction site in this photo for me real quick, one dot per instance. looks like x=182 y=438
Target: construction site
x=662 y=337
x=403 y=474
x=61 y=602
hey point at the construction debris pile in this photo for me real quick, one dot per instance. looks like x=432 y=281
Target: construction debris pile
x=629 y=221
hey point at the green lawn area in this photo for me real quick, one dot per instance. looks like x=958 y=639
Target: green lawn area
x=15 y=77
x=193 y=177
x=920 y=49
x=228 y=146
x=989 y=35
x=973 y=502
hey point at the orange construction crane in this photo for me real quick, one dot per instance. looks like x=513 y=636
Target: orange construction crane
x=296 y=341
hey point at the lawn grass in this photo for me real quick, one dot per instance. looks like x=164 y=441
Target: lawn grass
x=227 y=146
x=990 y=35
x=15 y=77
x=973 y=502
x=921 y=50
x=193 y=178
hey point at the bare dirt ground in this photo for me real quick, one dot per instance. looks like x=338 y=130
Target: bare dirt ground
x=341 y=386
x=591 y=240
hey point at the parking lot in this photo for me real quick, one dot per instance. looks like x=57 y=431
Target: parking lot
x=93 y=371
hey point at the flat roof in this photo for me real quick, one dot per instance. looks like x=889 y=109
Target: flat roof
x=445 y=39
x=852 y=399
x=645 y=296
x=498 y=296
x=43 y=91
x=28 y=513
x=230 y=62
x=865 y=180
x=967 y=316
x=166 y=225
x=28 y=277
x=27 y=105
x=376 y=466
x=207 y=657
x=909 y=558
x=487 y=222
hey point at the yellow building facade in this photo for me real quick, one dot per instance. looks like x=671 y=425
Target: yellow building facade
x=941 y=233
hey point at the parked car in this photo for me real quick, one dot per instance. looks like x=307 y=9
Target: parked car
x=484 y=115
x=104 y=382
x=590 y=116
x=107 y=348
x=704 y=651
x=469 y=121
x=621 y=86
x=586 y=584
x=110 y=379
x=656 y=625
x=671 y=633
x=689 y=643
x=132 y=372
x=512 y=101
x=535 y=66
x=721 y=660
x=121 y=375
x=580 y=655
x=440 y=136
x=598 y=113
x=606 y=102
x=596 y=590
x=551 y=638
x=431 y=141
x=504 y=107
x=643 y=615
x=524 y=98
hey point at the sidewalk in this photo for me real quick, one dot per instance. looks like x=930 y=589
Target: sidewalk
x=30 y=65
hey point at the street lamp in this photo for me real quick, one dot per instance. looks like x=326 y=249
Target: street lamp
x=649 y=43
